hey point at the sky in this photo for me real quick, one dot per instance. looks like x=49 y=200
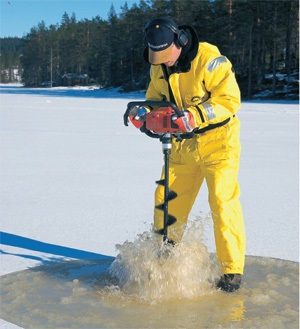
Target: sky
x=17 y=17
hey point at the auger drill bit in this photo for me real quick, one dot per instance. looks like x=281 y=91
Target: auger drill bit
x=169 y=195
x=170 y=219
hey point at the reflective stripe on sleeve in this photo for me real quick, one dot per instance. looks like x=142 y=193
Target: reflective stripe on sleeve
x=209 y=111
x=215 y=63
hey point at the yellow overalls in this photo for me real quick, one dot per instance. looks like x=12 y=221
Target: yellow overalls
x=210 y=92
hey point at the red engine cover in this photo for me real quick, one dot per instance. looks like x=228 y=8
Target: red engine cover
x=160 y=121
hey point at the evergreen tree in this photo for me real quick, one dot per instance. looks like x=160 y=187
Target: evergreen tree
x=10 y=66
x=260 y=37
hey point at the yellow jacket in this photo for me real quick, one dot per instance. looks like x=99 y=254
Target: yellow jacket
x=208 y=90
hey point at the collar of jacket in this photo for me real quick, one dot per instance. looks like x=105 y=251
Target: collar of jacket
x=189 y=51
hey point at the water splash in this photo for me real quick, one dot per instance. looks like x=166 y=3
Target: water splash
x=151 y=270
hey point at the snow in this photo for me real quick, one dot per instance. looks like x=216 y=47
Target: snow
x=75 y=182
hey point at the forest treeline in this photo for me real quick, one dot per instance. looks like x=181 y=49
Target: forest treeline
x=260 y=37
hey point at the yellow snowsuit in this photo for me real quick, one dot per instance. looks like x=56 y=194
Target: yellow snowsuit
x=210 y=92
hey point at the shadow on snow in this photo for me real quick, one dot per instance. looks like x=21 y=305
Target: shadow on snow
x=35 y=245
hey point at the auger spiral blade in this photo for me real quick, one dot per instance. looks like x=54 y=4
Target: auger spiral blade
x=162 y=206
x=171 y=194
x=170 y=219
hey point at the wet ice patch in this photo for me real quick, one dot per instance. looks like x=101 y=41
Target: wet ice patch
x=151 y=286
x=83 y=294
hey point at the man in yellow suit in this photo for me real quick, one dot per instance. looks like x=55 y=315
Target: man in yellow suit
x=201 y=82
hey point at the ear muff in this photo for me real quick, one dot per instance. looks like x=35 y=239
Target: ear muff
x=180 y=36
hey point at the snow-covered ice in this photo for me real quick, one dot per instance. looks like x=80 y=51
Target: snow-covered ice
x=75 y=182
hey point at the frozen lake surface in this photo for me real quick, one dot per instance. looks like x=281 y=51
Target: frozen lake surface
x=75 y=183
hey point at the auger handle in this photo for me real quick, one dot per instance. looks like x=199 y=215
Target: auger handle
x=130 y=105
x=150 y=103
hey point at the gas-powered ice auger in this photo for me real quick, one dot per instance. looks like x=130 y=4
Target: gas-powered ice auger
x=159 y=124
